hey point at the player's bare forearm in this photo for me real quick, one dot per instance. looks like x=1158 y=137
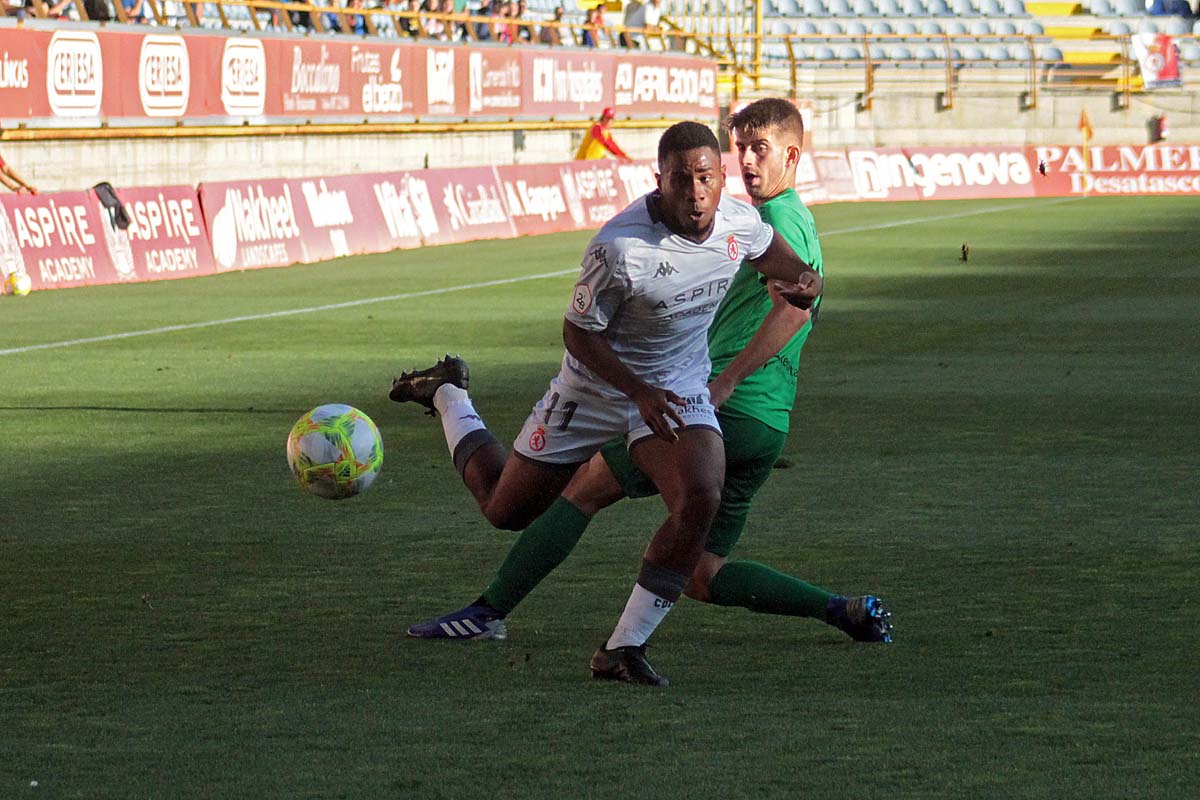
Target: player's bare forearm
x=780 y=261
x=782 y=322
x=594 y=352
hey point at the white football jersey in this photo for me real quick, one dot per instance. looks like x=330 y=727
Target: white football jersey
x=653 y=293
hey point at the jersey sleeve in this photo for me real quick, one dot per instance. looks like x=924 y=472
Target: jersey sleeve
x=601 y=287
x=759 y=233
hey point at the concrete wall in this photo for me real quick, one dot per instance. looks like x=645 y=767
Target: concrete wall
x=900 y=115
x=61 y=165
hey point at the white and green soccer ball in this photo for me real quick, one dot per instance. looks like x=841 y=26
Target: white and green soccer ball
x=335 y=451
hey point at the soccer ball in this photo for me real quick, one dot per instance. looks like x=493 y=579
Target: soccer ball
x=335 y=451
x=19 y=283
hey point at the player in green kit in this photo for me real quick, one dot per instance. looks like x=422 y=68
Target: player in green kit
x=754 y=344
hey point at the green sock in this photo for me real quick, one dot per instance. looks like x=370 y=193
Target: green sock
x=759 y=588
x=537 y=551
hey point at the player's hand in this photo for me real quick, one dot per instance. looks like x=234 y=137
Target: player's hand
x=656 y=407
x=719 y=391
x=804 y=292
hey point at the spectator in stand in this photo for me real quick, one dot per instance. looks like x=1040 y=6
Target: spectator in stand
x=435 y=28
x=405 y=26
x=632 y=8
x=524 y=32
x=357 y=23
x=11 y=180
x=598 y=142
x=135 y=11
x=645 y=21
x=592 y=28
x=551 y=34
x=483 y=30
x=502 y=31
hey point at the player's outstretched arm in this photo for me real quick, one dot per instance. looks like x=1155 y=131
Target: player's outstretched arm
x=654 y=404
x=782 y=322
x=780 y=261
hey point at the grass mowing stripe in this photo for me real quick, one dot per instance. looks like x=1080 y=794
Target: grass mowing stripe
x=285 y=313
x=411 y=295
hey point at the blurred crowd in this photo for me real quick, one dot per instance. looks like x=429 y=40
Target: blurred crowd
x=503 y=21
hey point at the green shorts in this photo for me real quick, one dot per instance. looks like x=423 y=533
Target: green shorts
x=751 y=450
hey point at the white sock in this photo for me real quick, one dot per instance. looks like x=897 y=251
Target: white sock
x=641 y=616
x=457 y=413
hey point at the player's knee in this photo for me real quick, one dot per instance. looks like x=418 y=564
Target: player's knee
x=506 y=517
x=700 y=505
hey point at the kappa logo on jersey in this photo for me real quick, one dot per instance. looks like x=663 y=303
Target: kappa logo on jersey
x=732 y=247
x=537 y=439
x=665 y=268
x=582 y=300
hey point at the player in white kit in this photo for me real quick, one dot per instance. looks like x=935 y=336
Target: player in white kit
x=636 y=366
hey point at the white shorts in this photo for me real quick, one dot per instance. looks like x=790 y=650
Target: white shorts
x=568 y=426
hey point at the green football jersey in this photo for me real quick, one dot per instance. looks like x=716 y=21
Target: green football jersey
x=768 y=393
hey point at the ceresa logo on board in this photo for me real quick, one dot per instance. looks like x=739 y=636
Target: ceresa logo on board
x=243 y=77
x=164 y=76
x=74 y=74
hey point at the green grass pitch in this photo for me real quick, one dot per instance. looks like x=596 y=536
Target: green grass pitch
x=1007 y=449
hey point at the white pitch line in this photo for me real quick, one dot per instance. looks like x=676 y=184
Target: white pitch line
x=188 y=326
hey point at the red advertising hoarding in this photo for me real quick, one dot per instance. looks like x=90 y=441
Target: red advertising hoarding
x=88 y=75
x=1115 y=170
x=66 y=239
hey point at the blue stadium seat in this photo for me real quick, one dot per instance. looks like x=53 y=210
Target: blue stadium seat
x=972 y=53
x=865 y=8
x=823 y=53
x=964 y=8
x=998 y=53
x=815 y=8
x=779 y=27
x=956 y=28
x=900 y=53
x=840 y=8
x=907 y=28
x=914 y=8
x=831 y=28
x=1130 y=8
x=889 y=8
x=856 y=28
x=1033 y=28
x=1147 y=26
x=1014 y=8
x=849 y=52
x=805 y=27
x=981 y=27
x=1051 y=55
x=938 y=8
x=1021 y=52
x=927 y=53
x=1189 y=51
x=931 y=28
x=991 y=8
x=1004 y=28
x=1118 y=28
x=1178 y=26
x=1102 y=8
x=881 y=28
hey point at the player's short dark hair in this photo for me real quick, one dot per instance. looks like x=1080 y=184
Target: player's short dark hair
x=684 y=136
x=768 y=113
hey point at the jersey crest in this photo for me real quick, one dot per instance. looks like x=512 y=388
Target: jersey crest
x=731 y=246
